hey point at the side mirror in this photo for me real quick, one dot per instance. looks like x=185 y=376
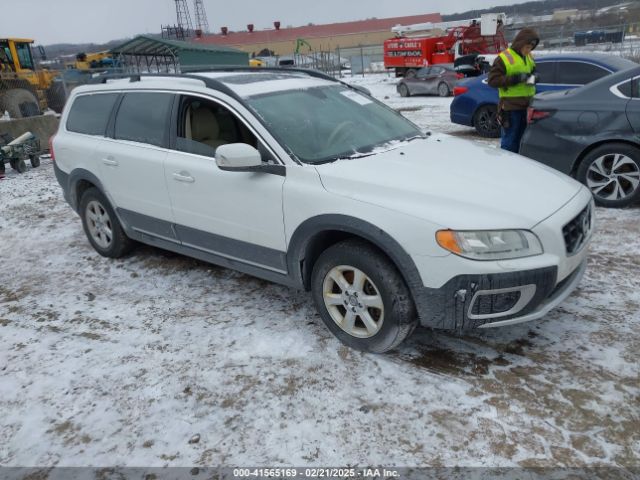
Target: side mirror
x=240 y=157
x=237 y=156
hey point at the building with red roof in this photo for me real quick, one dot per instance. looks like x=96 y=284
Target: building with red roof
x=282 y=41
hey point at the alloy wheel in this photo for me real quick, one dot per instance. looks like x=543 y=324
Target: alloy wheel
x=487 y=122
x=353 y=301
x=613 y=176
x=99 y=223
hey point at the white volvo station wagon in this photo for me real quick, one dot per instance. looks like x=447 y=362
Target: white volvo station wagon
x=297 y=178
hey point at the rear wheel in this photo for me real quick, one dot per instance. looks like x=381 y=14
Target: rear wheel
x=362 y=298
x=486 y=123
x=102 y=226
x=56 y=97
x=404 y=90
x=35 y=160
x=20 y=103
x=443 y=90
x=612 y=173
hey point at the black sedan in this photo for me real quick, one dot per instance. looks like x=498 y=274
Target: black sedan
x=593 y=134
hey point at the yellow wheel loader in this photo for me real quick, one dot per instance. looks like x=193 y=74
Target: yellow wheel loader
x=24 y=90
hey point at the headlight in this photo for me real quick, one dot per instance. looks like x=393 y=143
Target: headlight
x=490 y=245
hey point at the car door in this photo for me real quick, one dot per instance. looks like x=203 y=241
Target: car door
x=575 y=73
x=546 y=72
x=416 y=84
x=236 y=215
x=432 y=80
x=132 y=157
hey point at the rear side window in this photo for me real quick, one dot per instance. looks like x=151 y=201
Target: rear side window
x=143 y=117
x=630 y=88
x=625 y=89
x=546 y=72
x=579 y=73
x=90 y=113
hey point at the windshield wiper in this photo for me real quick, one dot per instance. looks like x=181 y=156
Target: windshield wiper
x=408 y=139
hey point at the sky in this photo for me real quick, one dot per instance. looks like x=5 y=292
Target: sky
x=98 y=21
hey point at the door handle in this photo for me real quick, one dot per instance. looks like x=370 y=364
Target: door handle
x=183 y=177
x=110 y=161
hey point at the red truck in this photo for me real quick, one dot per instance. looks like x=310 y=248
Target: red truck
x=411 y=49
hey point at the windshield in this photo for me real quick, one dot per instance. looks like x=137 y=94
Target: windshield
x=322 y=124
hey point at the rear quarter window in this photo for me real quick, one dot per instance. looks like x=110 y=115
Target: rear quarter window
x=630 y=88
x=579 y=73
x=143 y=117
x=90 y=114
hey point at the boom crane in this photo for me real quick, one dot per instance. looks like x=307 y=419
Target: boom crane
x=184 y=17
x=202 y=24
x=461 y=43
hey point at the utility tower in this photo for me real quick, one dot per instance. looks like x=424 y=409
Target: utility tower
x=184 y=17
x=201 y=16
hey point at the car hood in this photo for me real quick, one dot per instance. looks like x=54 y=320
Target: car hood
x=453 y=183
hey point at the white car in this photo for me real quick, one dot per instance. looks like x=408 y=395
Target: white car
x=300 y=179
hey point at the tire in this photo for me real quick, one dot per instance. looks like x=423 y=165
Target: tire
x=56 y=97
x=19 y=165
x=612 y=173
x=35 y=160
x=410 y=73
x=20 y=103
x=444 y=90
x=389 y=322
x=404 y=90
x=101 y=225
x=485 y=121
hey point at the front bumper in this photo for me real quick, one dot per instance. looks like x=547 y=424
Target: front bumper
x=492 y=294
x=494 y=300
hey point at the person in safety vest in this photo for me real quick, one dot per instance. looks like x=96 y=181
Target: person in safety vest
x=513 y=74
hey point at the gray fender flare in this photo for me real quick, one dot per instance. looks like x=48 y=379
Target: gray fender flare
x=307 y=230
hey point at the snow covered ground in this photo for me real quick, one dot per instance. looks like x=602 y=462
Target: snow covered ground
x=122 y=362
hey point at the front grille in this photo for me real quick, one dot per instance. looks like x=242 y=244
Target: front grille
x=576 y=232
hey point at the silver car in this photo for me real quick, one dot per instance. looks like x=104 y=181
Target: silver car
x=434 y=80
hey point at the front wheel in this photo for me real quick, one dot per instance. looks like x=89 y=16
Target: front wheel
x=612 y=173
x=443 y=90
x=362 y=297
x=486 y=123
x=404 y=90
x=102 y=226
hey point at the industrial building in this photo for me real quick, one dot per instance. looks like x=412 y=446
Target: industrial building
x=284 y=41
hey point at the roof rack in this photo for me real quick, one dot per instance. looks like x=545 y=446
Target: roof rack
x=136 y=77
x=217 y=84
x=308 y=71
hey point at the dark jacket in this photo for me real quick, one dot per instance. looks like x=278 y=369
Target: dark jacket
x=498 y=73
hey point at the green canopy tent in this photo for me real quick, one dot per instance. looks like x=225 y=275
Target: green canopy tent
x=156 y=55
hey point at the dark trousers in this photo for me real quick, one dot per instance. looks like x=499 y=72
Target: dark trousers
x=511 y=136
